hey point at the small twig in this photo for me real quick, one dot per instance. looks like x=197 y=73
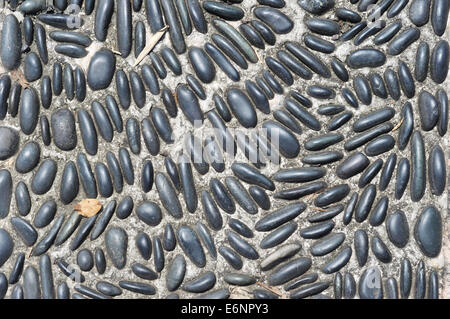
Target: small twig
x=150 y=45
x=397 y=126
x=116 y=52
x=272 y=289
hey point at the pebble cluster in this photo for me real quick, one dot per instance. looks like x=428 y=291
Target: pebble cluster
x=350 y=204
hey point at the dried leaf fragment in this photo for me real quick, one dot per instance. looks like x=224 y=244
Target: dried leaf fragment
x=88 y=207
x=150 y=45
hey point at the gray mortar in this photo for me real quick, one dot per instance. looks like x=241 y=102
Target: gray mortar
x=180 y=126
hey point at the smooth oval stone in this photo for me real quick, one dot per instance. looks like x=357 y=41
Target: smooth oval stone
x=347 y=15
x=420 y=282
x=370 y=284
x=211 y=211
x=406 y=80
x=88 y=132
x=429 y=110
x=104 y=181
x=23 y=199
x=388 y=33
x=378 y=87
x=278 y=256
x=275 y=19
x=85 y=260
x=361 y=242
x=71 y=37
x=103 y=14
x=202 y=65
x=405 y=278
x=45 y=214
x=189 y=104
x=31 y=286
x=239 y=279
x=323 y=26
x=176 y=272
x=422 y=61
x=362 y=89
x=252 y=35
x=288 y=144
x=86 y=176
x=327 y=244
x=240 y=228
x=326 y=214
x=168 y=196
x=302 y=280
x=150 y=136
x=366 y=57
x=339 y=69
x=317 y=44
x=242 y=247
x=428 y=232
x=108 y=289
x=101 y=70
x=241 y=195
x=11 y=42
x=44 y=177
x=9 y=142
x=63 y=129
x=169 y=238
x=5 y=192
x=280 y=70
x=379 y=145
x=29 y=110
x=380 y=250
x=353 y=165
x=32 y=67
x=6 y=246
x=439 y=62
x=398 y=229
x=279 y=217
x=71 y=50
x=251 y=175
x=126 y=165
x=339 y=261
x=260 y=197
x=191 y=246
x=24 y=229
x=69 y=82
x=278 y=236
x=316 y=7
x=321 y=92
x=309 y=59
x=289 y=271
x=419 y=12
x=317 y=231
x=332 y=195
x=207 y=239
x=349 y=286
x=201 y=283
x=144 y=245
x=149 y=213
x=323 y=141
x=439 y=16
x=225 y=11
x=374 y=118
x=242 y=107
x=137 y=287
x=418 y=167
x=437 y=170
x=401 y=42
x=116 y=242
x=137 y=89
x=222 y=197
